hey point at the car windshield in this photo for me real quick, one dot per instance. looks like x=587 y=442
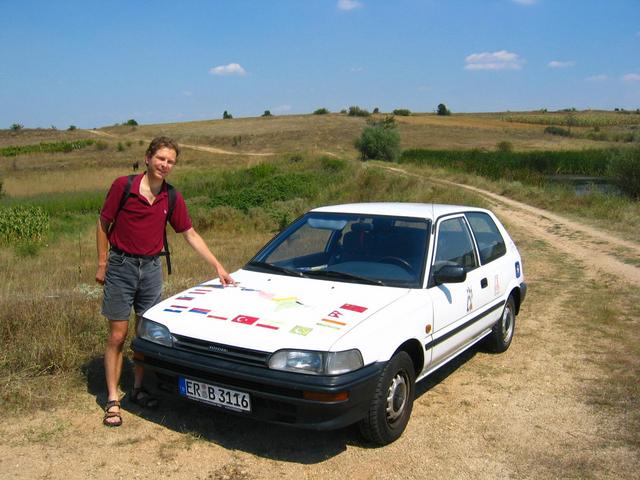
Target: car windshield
x=346 y=247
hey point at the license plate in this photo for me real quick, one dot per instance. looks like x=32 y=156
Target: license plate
x=215 y=395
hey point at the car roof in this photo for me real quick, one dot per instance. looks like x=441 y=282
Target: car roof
x=399 y=209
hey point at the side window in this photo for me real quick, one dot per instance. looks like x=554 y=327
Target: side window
x=490 y=242
x=455 y=246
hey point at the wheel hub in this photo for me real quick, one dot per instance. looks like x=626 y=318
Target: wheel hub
x=397 y=397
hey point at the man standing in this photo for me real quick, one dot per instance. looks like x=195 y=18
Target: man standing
x=131 y=272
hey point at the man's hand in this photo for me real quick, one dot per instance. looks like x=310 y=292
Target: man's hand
x=225 y=278
x=100 y=274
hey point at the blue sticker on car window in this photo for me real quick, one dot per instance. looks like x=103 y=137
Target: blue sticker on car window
x=517 y=269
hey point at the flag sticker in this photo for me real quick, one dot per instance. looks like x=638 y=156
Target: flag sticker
x=184 y=298
x=328 y=326
x=216 y=317
x=245 y=319
x=300 y=330
x=353 y=308
x=335 y=322
x=178 y=306
x=335 y=314
x=202 y=311
x=265 y=325
x=173 y=310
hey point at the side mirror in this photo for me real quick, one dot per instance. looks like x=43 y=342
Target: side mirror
x=450 y=274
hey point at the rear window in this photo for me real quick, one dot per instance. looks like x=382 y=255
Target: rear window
x=490 y=243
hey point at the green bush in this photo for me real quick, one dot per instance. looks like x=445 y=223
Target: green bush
x=72 y=127
x=120 y=147
x=356 y=111
x=23 y=223
x=226 y=115
x=624 y=169
x=553 y=130
x=321 y=111
x=16 y=126
x=443 y=110
x=55 y=147
x=403 y=112
x=376 y=111
x=131 y=122
x=379 y=140
x=267 y=113
x=504 y=147
x=101 y=145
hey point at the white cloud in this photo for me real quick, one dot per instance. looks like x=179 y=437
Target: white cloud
x=561 y=64
x=349 y=4
x=356 y=69
x=500 y=60
x=525 y=2
x=231 y=69
x=187 y=93
x=631 y=77
x=598 y=78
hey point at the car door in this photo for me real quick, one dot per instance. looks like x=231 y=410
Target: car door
x=455 y=305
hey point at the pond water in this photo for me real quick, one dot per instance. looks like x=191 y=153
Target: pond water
x=583 y=185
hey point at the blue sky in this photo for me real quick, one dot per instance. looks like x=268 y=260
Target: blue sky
x=96 y=63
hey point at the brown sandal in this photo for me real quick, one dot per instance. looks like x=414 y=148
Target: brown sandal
x=140 y=396
x=107 y=414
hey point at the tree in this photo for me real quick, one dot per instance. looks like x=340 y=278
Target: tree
x=226 y=115
x=267 y=113
x=321 y=111
x=443 y=110
x=379 y=140
x=16 y=126
x=131 y=122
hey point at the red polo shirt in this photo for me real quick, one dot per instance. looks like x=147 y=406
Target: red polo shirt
x=139 y=225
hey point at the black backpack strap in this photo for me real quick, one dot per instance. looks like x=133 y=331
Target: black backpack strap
x=123 y=199
x=172 y=204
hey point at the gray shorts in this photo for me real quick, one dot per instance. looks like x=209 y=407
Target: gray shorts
x=131 y=282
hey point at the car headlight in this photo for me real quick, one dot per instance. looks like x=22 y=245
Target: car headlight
x=154 y=332
x=316 y=363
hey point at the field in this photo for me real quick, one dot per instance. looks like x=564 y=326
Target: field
x=563 y=402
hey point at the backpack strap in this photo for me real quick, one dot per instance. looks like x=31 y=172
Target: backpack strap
x=123 y=199
x=172 y=203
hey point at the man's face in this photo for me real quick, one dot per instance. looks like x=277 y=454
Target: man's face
x=161 y=163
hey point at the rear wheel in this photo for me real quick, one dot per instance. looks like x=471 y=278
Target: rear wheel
x=392 y=402
x=502 y=332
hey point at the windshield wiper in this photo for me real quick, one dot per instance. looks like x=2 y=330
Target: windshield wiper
x=344 y=276
x=276 y=268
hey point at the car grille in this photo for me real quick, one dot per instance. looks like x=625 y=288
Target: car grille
x=219 y=350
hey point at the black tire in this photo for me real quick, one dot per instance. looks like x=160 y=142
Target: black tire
x=392 y=402
x=502 y=332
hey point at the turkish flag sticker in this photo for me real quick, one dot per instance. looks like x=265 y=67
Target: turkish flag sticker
x=245 y=319
x=353 y=308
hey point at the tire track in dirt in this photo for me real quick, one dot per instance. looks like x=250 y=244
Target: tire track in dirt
x=598 y=249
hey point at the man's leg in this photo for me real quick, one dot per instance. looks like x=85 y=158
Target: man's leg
x=138 y=370
x=113 y=361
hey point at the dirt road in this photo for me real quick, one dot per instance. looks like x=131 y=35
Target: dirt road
x=527 y=413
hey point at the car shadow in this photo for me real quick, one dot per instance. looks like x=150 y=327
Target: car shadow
x=235 y=432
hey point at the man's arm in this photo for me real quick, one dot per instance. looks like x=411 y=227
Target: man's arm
x=102 y=244
x=197 y=243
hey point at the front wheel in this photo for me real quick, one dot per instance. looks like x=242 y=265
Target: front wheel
x=392 y=402
x=501 y=334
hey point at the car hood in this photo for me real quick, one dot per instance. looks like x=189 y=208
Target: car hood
x=267 y=312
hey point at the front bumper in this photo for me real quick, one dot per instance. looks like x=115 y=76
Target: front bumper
x=276 y=396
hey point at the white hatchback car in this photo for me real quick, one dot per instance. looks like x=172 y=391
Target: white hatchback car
x=338 y=316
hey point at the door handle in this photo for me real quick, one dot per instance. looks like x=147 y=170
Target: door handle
x=484 y=283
